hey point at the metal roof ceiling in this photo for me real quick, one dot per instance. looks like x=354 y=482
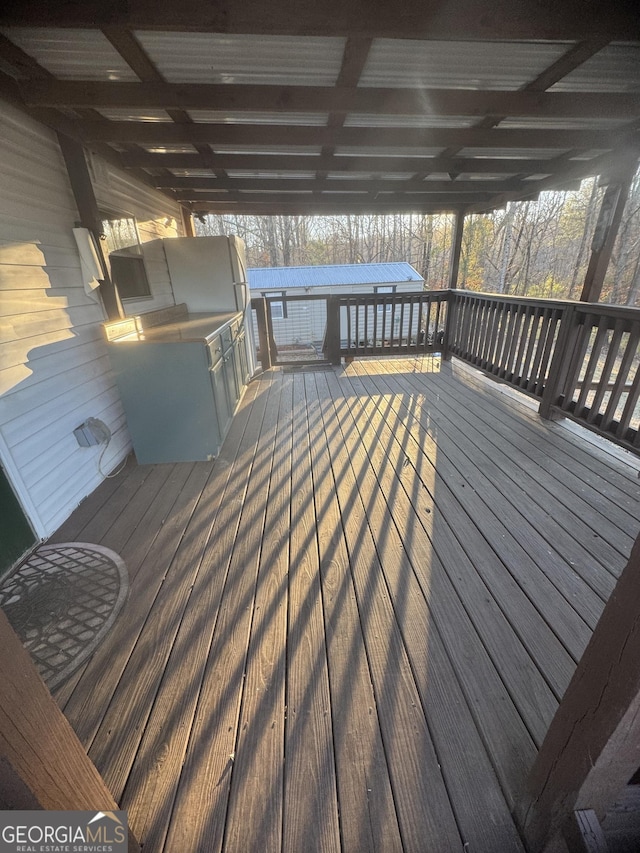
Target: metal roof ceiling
x=340 y=107
x=288 y=278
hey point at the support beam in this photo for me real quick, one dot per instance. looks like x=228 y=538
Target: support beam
x=570 y=20
x=604 y=238
x=41 y=759
x=49 y=92
x=164 y=133
x=592 y=747
x=80 y=180
x=381 y=163
x=456 y=247
x=187 y=221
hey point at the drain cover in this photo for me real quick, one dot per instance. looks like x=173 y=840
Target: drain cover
x=61 y=601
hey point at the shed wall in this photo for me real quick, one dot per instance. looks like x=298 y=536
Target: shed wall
x=306 y=321
x=54 y=368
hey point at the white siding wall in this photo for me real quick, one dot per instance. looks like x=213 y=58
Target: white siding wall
x=54 y=368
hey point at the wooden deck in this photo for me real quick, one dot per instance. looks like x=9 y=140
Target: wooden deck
x=350 y=631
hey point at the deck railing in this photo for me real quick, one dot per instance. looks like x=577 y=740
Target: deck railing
x=597 y=380
x=512 y=339
x=378 y=324
x=581 y=361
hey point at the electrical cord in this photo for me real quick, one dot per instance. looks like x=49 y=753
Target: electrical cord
x=118 y=470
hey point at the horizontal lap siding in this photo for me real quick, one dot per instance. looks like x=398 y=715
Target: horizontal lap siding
x=54 y=368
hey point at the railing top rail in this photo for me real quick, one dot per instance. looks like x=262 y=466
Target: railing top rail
x=294 y=297
x=516 y=300
x=404 y=296
x=605 y=309
x=597 y=308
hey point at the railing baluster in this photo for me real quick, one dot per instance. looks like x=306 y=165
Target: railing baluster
x=524 y=337
x=551 y=337
x=630 y=352
x=513 y=344
x=592 y=364
x=533 y=333
x=437 y=308
x=410 y=330
x=496 y=353
x=630 y=408
x=422 y=332
x=582 y=334
x=609 y=365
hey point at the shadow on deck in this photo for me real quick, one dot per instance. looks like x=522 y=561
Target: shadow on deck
x=351 y=631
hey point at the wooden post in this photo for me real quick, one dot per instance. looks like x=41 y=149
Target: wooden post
x=604 y=238
x=80 y=180
x=259 y=305
x=592 y=747
x=42 y=761
x=187 y=221
x=565 y=345
x=450 y=324
x=332 y=336
x=456 y=248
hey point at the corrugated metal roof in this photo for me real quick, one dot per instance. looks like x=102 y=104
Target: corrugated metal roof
x=288 y=278
x=218 y=117
x=274 y=175
x=72 y=54
x=511 y=153
x=563 y=123
x=192 y=173
x=615 y=68
x=267 y=149
x=178 y=148
x=369 y=176
x=366 y=120
x=122 y=114
x=457 y=64
x=216 y=58
x=396 y=151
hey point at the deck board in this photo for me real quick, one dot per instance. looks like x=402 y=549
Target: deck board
x=351 y=630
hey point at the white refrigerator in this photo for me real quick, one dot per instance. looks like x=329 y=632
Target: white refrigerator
x=210 y=275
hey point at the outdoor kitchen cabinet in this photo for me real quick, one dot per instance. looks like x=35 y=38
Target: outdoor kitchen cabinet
x=180 y=383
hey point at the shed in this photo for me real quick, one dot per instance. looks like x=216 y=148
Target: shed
x=302 y=322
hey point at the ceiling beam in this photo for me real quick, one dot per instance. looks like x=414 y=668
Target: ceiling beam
x=159 y=133
x=314 y=99
x=337 y=198
x=373 y=164
x=440 y=19
x=332 y=185
x=316 y=206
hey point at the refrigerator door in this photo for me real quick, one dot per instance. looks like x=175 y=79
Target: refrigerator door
x=238 y=259
x=202 y=273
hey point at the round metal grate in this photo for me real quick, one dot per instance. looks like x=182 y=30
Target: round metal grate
x=61 y=601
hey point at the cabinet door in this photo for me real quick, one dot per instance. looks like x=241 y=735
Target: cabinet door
x=240 y=362
x=219 y=383
x=230 y=378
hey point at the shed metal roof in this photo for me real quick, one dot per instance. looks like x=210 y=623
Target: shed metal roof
x=288 y=278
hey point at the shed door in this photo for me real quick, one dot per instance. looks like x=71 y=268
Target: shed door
x=16 y=535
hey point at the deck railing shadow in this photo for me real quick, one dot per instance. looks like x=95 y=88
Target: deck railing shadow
x=579 y=360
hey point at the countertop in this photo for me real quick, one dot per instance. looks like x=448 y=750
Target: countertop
x=189 y=328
